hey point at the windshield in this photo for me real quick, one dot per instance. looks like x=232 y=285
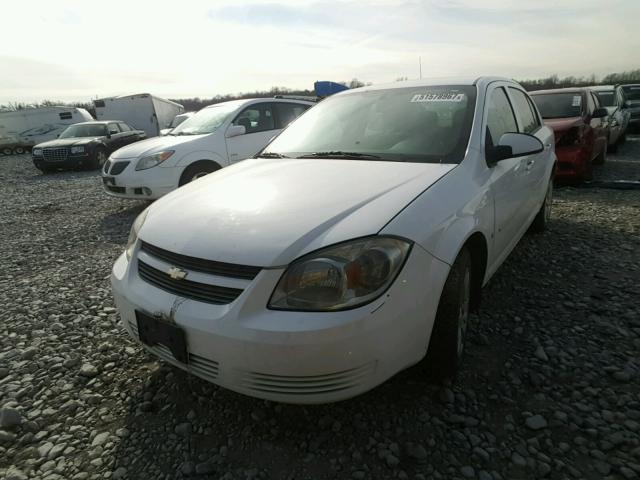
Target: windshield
x=559 y=105
x=75 y=131
x=607 y=99
x=632 y=93
x=416 y=124
x=206 y=120
x=177 y=121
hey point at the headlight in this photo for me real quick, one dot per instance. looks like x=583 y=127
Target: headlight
x=133 y=234
x=153 y=160
x=36 y=151
x=77 y=149
x=342 y=276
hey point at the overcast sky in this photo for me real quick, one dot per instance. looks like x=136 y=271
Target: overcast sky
x=77 y=50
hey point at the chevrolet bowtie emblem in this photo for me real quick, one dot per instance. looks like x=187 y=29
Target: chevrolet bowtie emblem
x=177 y=273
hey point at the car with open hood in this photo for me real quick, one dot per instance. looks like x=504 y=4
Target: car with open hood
x=353 y=246
x=86 y=144
x=581 y=128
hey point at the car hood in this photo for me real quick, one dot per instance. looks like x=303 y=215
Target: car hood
x=67 y=142
x=152 y=145
x=268 y=212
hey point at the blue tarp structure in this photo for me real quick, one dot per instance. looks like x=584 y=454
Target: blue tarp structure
x=325 y=88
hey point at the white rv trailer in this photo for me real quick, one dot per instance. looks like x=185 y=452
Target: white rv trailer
x=142 y=111
x=22 y=129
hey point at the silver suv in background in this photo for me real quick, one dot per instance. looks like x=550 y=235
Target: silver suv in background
x=613 y=99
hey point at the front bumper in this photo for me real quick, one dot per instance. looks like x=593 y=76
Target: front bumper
x=293 y=357
x=149 y=184
x=71 y=161
x=573 y=162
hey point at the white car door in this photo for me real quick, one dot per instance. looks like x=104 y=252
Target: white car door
x=508 y=177
x=260 y=126
x=535 y=165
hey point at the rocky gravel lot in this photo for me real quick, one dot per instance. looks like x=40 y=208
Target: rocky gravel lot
x=550 y=387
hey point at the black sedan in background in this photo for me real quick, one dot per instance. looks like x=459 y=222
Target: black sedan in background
x=86 y=144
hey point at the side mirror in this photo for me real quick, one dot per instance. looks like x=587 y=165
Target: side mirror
x=512 y=145
x=235 y=130
x=600 y=113
x=108 y=134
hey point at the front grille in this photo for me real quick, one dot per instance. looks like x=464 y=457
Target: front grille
x=202 y=292
x=308 y=385
x=202 y=265
x=118 y=167
x=58 y=154
x=200 y=366
x=107 y=166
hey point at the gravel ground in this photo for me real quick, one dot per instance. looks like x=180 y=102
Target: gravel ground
x=550 y=387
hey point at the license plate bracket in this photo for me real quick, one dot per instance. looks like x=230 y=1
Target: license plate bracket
x=153 y=331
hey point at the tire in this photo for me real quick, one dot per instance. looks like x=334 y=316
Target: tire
x=18 y=150
x=7 y=151
x=446 y=347
x=197 y=170
x=541 y=221
x=100 y=159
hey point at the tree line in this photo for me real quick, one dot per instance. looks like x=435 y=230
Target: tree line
x=196 y=103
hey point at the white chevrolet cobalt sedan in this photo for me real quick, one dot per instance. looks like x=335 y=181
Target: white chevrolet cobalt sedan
x=352 y=248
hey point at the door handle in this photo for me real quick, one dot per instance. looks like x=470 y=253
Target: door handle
x=530 y=163
x=547 y=146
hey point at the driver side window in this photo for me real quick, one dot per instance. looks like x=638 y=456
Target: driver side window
x=256 y=118
x=113 y=128
x=500 y=118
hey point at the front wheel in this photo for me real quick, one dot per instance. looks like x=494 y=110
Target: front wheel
x=543 y=217
x=446 y=346
x=197 y=170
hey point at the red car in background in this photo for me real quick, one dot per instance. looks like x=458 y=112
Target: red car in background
x=581 y=128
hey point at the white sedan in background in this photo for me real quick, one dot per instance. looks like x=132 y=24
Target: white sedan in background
x=215 y=137
x=351 y=249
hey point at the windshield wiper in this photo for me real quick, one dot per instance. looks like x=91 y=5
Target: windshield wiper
x=272 y=155
x=341 y=154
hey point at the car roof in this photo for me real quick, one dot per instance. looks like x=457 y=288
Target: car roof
x=481 y=81
x=603 y=88
x=247 y=101
x=97 y=122
x=562 y=90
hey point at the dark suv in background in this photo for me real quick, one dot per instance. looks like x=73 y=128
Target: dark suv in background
x=86 y=144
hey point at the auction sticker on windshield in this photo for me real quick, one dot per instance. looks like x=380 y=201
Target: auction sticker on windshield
x=438 y=97
x=577 y=101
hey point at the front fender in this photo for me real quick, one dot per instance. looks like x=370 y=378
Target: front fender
x=192 y=157
x=443 y=217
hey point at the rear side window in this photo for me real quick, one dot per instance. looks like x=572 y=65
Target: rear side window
x=113 y=128
x=65 y=115
x=500 y=118
x=528 y=122
x=124 y=127
x=287 y=113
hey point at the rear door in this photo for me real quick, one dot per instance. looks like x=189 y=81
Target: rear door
x=259 y=122
x=536 y=164
x=128 y=134
x=117 y=137
x=599 y=127
x=508 y=177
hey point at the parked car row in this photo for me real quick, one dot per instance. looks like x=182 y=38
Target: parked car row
x=587 y=123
